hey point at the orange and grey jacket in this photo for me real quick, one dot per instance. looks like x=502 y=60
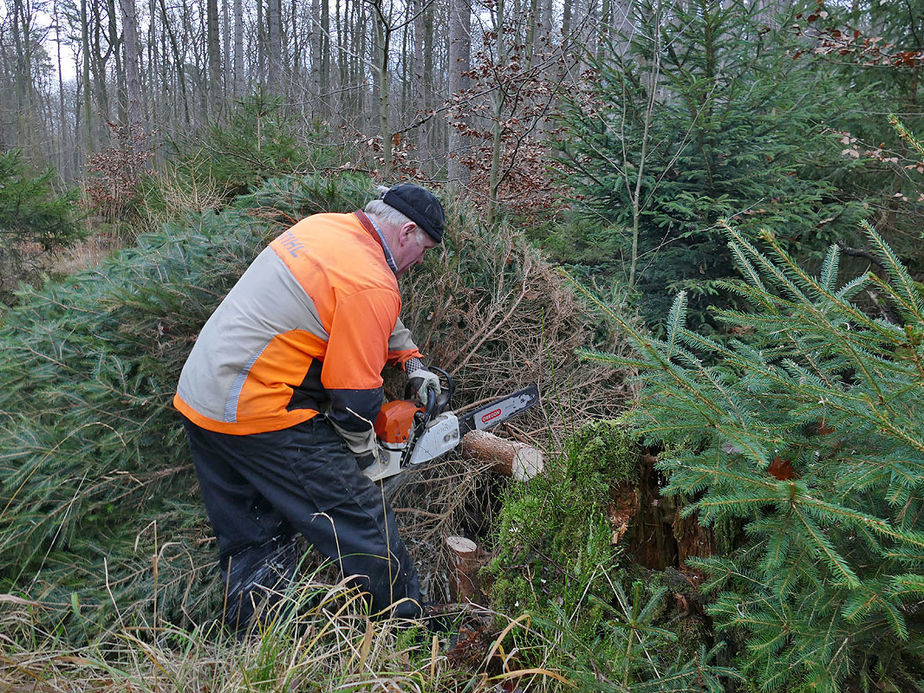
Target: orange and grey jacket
x=307 y=328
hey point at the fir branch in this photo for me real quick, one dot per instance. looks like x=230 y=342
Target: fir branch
x=825 y=549
x=829 y=270
x=676 y=318
x=911 y=300
x=768 y=267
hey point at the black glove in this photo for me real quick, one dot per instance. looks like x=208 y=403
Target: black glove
x=367 y=460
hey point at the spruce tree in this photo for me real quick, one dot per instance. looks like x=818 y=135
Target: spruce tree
x=697 y=113
x=799 y=437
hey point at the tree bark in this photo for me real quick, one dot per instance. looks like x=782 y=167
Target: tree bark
x=508 y=457
x=498 y=99
x=62 y=166
x=132 y=68
x=178 y=60
x=324 y=64
x=87 y=102
x=213 y=50
x=238 y=48
x=420 y=87
x=460 y=46
x=467 y=560
x=116 y=46
x=383 y=30
x=274 y=45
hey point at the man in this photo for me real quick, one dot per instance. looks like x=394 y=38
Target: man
x=280 y=394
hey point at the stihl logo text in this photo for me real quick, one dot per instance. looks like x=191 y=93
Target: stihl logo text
x=490 y=415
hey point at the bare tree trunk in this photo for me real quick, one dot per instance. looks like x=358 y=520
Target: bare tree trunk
x=533 y=27
x=261 y=44
x=23 y=42
x=498 y=97
x=460 y=46
x=274 y=45
x=132 y=70
x=622 y=25
x=61 y=129
x=383 y=30
x=238 y=48
x=226 y=51
x=314 y=42
x=98 y=66
x=428 y=79
x=154 y=90
x=178 y=60
x=343 y=65
x=213 y=50
x=420 y=88
x=116 y=43
x=87 y=104
x=324 y=65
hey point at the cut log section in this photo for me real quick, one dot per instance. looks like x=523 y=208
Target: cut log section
x=508 y=457
x=467 y=561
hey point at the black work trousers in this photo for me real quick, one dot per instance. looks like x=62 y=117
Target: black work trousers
x=260 y=489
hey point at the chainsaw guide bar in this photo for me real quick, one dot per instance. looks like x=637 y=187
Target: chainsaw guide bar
x=499 y=410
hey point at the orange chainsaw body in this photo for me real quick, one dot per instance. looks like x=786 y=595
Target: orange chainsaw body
x=395 y=421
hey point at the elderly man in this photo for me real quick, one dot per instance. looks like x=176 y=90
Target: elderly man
x=280 y=394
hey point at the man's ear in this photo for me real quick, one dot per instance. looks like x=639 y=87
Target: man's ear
x=406 y=232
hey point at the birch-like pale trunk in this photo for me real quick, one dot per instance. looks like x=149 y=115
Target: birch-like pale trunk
x=274 y=45
x=460 y=52
x=132 y=67
x=238 y=48
x=498 y=99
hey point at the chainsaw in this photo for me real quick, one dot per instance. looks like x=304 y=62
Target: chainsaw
x=410 y=434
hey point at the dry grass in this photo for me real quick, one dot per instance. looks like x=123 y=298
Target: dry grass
x=87 y=253
x=443 y=498
x=319 y=640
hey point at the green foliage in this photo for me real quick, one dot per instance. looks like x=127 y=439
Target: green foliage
x=873 y=48
x=95 y=484
x=31 y=213
x=553 y=537
x=703 y=116
x=555 y=559
x=806 y=429
x=632 y=653
x=286 y=200
x=96 y=488
x=258 y=141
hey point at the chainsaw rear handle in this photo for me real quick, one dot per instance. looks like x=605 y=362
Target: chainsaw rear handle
x=442 y=402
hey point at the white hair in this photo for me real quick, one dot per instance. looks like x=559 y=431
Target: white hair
x=387 y=214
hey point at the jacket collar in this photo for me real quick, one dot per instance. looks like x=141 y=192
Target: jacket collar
x=373 y=230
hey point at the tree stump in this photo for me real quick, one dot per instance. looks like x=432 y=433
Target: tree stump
x=467 y=561
x=508 y=457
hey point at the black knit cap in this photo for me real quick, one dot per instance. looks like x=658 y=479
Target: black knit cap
x=418 y=205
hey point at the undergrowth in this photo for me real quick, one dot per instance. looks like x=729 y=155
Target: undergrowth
x=560 y=558
x=318 y=637
x=99 y=512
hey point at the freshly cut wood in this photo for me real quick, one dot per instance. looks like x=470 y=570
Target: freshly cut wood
x=467 y=561
x=509 y=457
